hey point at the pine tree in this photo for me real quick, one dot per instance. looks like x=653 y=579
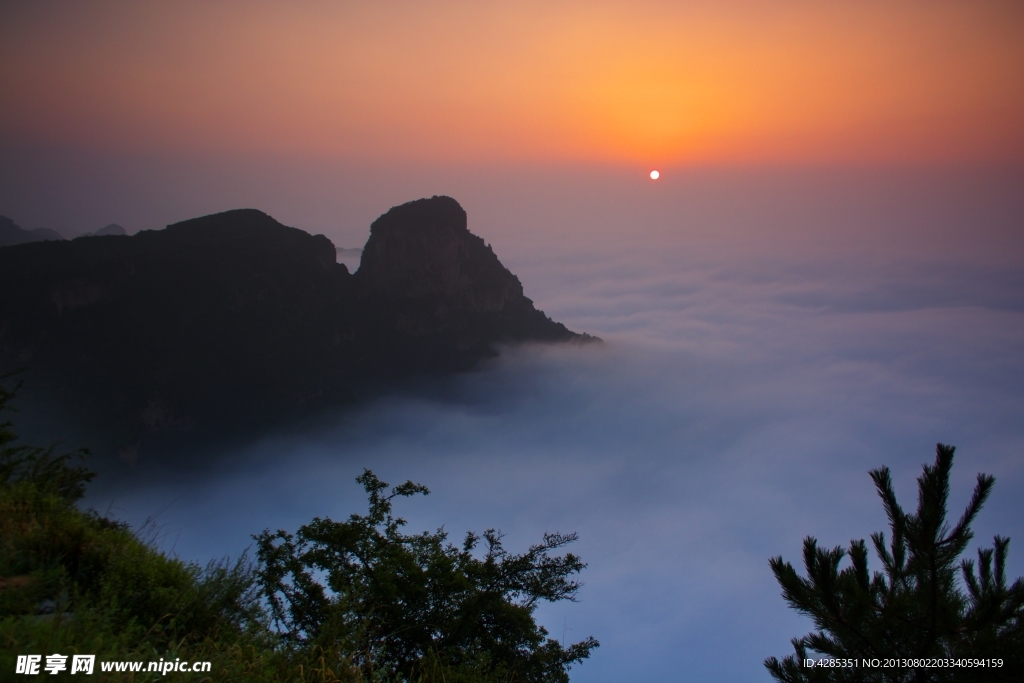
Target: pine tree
x=924 y=605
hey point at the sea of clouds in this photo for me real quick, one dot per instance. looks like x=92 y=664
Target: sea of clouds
x=766 y=343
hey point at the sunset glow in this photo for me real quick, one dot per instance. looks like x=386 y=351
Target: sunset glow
x=665 y=279
x=722 y=83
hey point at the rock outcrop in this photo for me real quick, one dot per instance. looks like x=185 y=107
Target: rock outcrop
x=228 y=323
x=427 y=275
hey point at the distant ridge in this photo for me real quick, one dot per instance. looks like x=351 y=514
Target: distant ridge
x=228 y=323
x=11 y=234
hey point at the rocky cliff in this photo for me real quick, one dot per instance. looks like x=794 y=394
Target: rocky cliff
x=427 y=275
x=227 y=323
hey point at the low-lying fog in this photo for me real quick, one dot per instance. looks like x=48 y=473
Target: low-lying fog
x=758 y=361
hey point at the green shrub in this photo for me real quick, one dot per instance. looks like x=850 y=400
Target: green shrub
x=405 y=607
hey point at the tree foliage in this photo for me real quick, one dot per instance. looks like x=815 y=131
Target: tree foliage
x=924 y=604
x=400 y=604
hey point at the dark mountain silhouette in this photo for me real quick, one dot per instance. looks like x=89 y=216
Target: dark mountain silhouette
x=11 y=233
x=228 y=323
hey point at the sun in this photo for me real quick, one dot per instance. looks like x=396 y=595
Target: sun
x=655 y=175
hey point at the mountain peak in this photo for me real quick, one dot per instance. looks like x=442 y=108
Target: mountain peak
x=232 y=321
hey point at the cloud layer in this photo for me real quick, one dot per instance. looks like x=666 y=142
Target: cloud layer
x=747 y=384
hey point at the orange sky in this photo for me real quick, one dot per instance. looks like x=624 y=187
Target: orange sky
x=664 y=83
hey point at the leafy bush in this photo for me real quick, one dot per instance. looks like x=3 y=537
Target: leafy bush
x=406 y=605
